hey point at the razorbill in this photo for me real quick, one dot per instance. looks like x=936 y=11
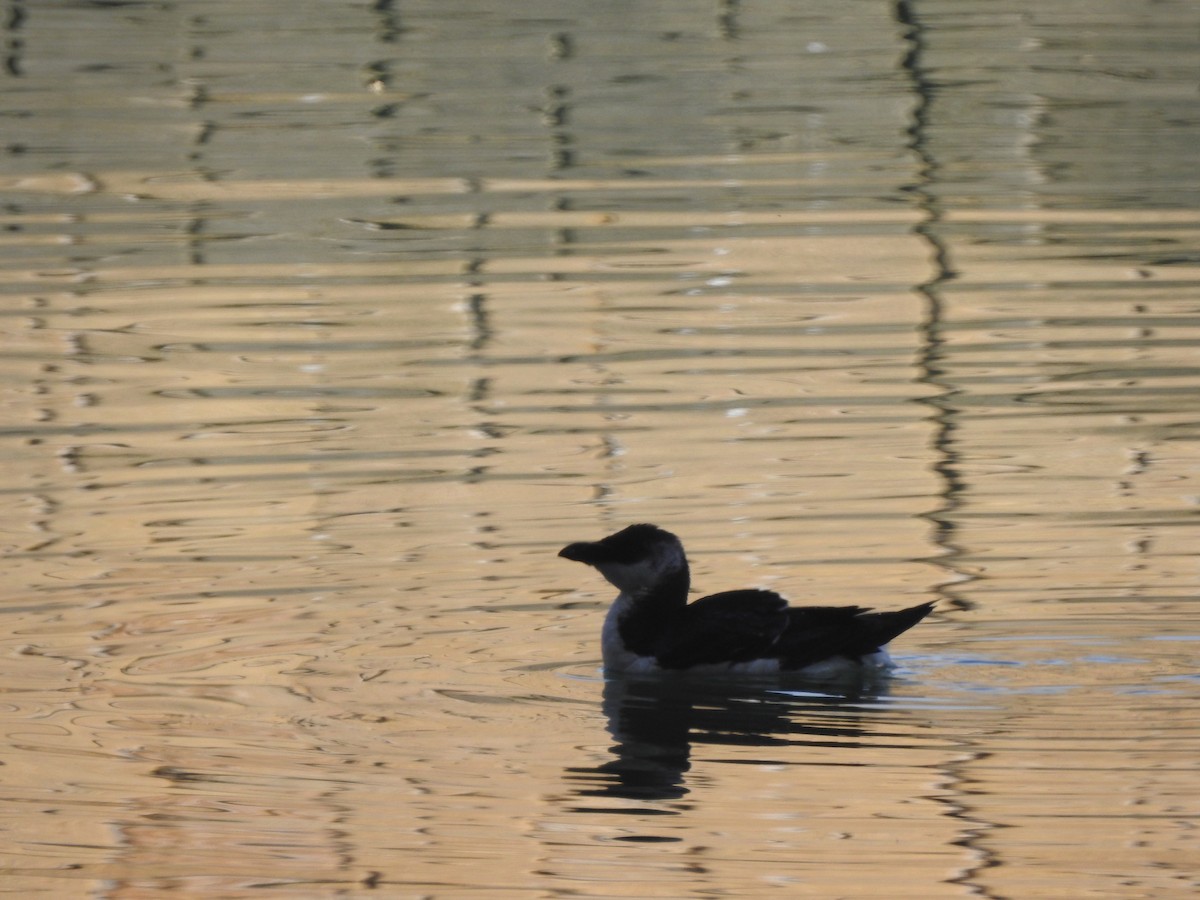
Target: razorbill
x=651 y=627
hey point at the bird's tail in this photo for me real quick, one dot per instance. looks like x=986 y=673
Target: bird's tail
x=879 y=628
x=817 y=633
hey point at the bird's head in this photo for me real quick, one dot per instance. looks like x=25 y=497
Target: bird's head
x=634 y=560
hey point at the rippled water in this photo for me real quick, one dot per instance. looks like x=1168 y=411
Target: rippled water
x=326 y=325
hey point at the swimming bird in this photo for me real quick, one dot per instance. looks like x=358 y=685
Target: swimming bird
x=651 y=627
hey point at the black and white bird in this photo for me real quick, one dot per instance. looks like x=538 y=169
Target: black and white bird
x=652 y=628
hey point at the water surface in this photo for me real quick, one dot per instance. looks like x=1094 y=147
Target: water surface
x=326 y=325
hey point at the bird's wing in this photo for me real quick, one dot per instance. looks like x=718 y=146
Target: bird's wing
x=819 y=632
x=732 y=626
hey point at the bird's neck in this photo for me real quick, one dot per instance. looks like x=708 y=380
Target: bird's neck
x=640 y=616
x=668 y=590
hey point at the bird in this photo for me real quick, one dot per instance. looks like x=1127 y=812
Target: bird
x=651 y=628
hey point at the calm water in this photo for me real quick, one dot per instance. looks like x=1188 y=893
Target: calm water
x=327 y=324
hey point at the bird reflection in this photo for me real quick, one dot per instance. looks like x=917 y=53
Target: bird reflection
x=656 y=721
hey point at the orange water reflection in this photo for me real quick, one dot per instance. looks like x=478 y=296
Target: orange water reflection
x=324 y=332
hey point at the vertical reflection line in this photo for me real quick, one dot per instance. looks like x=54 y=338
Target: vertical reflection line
x=14 y=46
x=1141 y=459
x=556 y=118
x=196 y=99
x=727 y=19
x=931 y=358
x=389 y=27
x=958 y=785
x=482 y=332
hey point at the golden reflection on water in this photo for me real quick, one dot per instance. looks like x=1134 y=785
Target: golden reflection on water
x=316 y=351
